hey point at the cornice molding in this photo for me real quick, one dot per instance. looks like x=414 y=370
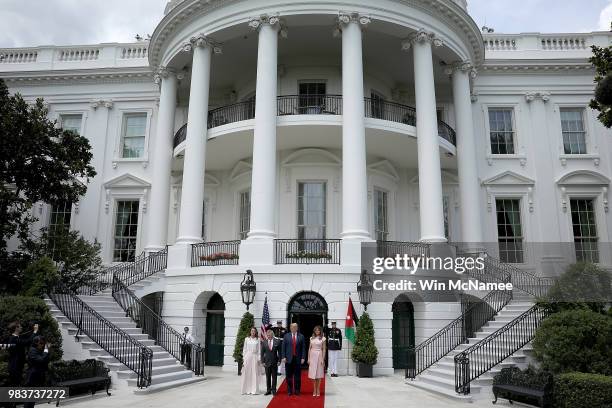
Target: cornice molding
x=30 y=78
x=532 y=67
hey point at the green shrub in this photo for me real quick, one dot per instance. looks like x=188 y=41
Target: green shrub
x=582 y=285
x=575 y=340
x=30 y=310
x=38 y=276
x=365 y=350
x=581 y=390
x=246 y=323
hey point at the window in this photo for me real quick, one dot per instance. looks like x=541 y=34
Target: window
x=312 y=210
x=501 y=129
x=204 y=206
x=585 y=230
x=381 y=214
x=378 y=105
x=133 y=138
x=245 y=214
x=126 y=231
x=71 y=123
x=312 y=98
x=509 y=230
x=60 y=216
x=572 y=127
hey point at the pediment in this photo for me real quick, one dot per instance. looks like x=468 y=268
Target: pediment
x=312 y=157
x=583 y=178
x=385 y=168
x=508 y=178
x=241 y=168
x=211 y=181
x=127 y=181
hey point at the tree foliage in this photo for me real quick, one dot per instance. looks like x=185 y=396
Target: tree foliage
x=575 y=340
x=39 y=275
x=39 y=162
x=365 y=350
x=602 y=60
x=246 y=323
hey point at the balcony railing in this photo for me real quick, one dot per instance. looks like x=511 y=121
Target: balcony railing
x=390 y=249
x=316 y=105
x=306 y=251
x=215 y=253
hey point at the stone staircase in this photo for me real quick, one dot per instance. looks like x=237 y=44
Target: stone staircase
x=440 y=378
x=167 y=372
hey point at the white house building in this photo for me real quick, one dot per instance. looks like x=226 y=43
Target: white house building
x=279 y=136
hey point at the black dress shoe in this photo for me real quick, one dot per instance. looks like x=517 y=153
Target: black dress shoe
x=273 y=392
x=267 y=393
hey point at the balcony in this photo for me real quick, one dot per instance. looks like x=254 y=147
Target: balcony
x=215 y=253
x=316 y=105
x=306 y=251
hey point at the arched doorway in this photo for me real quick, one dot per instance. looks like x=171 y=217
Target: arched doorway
x=215 y=331
x=307 y=309
x=153 y=301
x=402 y=330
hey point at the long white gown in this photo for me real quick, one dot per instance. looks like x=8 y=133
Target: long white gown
x=251 y=376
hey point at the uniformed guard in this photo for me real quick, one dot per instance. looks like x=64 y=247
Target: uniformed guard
x=279 y=333
x=334 y=345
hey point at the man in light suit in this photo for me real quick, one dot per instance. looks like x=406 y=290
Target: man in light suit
x=294 y=353
x=271 y=358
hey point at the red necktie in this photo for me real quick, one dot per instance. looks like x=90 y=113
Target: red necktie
x=293 y=344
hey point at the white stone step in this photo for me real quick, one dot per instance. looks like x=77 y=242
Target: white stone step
x=169 y=385
x=157 y=370
x=162 y=378
x=440 y=390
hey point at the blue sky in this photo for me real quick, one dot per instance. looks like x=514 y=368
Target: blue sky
x=41 y=22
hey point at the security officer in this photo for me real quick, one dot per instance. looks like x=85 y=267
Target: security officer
x=279 y=333
x=334 y=345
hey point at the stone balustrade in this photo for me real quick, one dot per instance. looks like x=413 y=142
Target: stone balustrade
x=580 y=44
x=112 y=55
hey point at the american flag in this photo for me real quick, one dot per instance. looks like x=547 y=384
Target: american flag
x=265 y=319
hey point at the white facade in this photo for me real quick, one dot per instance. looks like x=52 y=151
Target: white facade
x=255 y=65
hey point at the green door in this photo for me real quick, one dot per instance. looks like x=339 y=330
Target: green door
x=402 y=332
x=215 y=333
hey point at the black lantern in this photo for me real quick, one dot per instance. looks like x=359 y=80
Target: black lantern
x=365 y=289
x=248 y=288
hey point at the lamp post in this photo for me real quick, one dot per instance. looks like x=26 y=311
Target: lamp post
x=365 y=289
x=248 y=288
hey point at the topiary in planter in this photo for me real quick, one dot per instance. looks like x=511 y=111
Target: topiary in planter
x=365 y=352
x=246 y=323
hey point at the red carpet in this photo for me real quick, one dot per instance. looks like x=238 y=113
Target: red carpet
x=304 y=400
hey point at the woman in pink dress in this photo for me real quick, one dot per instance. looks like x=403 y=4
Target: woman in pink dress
x=316 y=359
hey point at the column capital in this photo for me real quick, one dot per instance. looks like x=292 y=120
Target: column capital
x=532 y=96
x=461 y=66
x=273 y=20
x=344 y=18
x=164 y=72
x=202 y=40
x=421 y=36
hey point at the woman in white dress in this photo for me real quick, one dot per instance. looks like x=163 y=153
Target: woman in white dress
x=251 y=357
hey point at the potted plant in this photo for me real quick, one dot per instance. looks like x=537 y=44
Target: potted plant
x=246 y=323
x=365 y=352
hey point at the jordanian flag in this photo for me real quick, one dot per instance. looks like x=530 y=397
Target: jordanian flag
x=350 y=323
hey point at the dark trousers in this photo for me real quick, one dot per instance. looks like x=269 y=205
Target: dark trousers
x=294 y=375
x=271 y=378
x=186 y=354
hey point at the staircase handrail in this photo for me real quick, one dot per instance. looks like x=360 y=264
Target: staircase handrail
x=104 y=333
x=515 y=335
x=152 y=324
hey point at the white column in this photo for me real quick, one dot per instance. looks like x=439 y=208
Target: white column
x=354 y=170
x=192 y=196
x=162 y=161
x=469 y=188
x=430 y=173
x=263 y=182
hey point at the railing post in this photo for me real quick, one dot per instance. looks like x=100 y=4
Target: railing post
x=411 y=363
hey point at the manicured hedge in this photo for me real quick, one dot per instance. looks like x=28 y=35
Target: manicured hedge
x=581 y=390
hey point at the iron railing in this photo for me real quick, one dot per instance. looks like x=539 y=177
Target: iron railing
x=476 y=360
x=389 y=249
x=215 y=253
x=307 y=251
x=142 y=267
x=457 y=332
x=309 y=105
x=322 y=104
x=128 y=351
x=155 y=327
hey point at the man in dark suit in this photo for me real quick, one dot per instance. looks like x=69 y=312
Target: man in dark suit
x=294 y=353
x=17 y=345
x=271 y=358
